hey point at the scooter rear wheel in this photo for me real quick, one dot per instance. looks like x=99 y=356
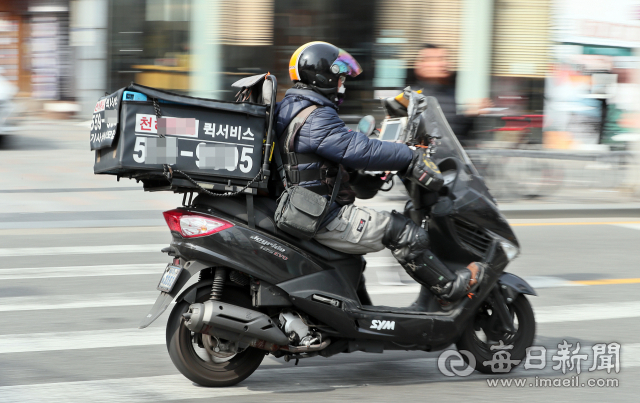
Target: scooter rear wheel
x=483 y=333
x=194 y=362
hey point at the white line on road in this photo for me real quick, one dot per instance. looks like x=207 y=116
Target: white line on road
x=381 y=261
x=150 y=389
x=22 y=343
x=81 y=250
x=176 y=387
x=389 y=281
x=32 y=342
x=82 y=271
x=78 y=301
x=630 y=226
x=75 y=224
x=584 y=312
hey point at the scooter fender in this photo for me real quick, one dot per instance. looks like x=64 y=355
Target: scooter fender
x=512 y=285
x=190 y=269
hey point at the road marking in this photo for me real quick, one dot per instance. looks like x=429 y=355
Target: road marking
x=150 y=389
x=547 y=282
x=393 y=289
x=81 y=250
x=32 y=342
x=381 y=261
x=389 y=277
x=544 y=224
x=123 y=223
x=66 y=231
x=80 y=340
x=78 y=301
x=82 y=271
x=154 y=389
x=587 y=312
x=71 y=190
x=46 y=302
x=635 y=226
x=608 y=281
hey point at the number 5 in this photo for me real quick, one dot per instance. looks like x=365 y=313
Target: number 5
x=141 y=143
x=247 y=159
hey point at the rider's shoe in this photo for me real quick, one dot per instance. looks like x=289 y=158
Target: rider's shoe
x=477 y=270
x=448 y=290
x=466 y=282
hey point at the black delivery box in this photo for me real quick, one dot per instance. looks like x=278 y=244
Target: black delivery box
x=142 y=133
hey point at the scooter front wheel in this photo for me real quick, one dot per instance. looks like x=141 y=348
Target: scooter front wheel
x=485 y=333
x=193 y=356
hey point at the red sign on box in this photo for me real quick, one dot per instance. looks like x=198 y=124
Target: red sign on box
x=146 y=124
x=183 y=127
x=187 y=127
x=99 y=106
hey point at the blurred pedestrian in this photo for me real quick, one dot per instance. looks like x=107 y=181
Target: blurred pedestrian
x=433 y=77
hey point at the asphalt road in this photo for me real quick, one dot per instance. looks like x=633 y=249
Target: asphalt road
x=71 y=298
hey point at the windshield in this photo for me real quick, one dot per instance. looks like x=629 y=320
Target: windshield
x=447 y=145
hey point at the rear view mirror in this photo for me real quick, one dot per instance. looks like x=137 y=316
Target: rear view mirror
x=367 y=125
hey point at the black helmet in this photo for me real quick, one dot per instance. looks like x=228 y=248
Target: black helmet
x=319 y=65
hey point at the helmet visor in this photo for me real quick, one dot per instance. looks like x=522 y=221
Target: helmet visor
x=346 y=64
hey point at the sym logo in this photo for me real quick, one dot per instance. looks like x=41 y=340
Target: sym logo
x=383 y=324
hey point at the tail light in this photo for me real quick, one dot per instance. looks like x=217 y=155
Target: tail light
x=191 y=225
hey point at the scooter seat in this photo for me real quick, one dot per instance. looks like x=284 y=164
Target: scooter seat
x=264 y=210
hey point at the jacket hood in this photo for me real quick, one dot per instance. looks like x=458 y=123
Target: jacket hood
x=295 y=100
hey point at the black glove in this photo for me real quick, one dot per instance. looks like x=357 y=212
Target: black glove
x=424 y=171
x=365 y=185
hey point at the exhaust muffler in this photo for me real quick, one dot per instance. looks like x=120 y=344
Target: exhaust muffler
x=232 y=322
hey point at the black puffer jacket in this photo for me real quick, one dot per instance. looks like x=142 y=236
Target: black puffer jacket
x=326 y=135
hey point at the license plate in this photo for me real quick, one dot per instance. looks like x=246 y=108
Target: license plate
x=169 y=277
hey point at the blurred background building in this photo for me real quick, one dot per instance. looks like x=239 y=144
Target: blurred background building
x=34 y=48
x=559 y=72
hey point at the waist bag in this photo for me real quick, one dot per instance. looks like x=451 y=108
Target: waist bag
x=300 y=211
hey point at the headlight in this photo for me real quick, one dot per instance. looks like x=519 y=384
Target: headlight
x=509 y=249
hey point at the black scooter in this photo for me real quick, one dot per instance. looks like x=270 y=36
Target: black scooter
x=263 y=292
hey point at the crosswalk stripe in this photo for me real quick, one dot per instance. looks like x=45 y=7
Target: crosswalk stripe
x=381 y=261
x=82 y=271
x=70 y=231
x=22 y=343
x=551 y=224
x=46 y=302
x=150 y=389
x=80 y=224
x=635 y=226
x=81 y=250
x=585 y=312
x=76 y=301
x=154 y=389
x=33 y=342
